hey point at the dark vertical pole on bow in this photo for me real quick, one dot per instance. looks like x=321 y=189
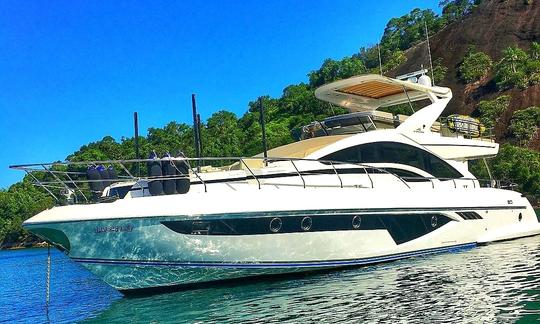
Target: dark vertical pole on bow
x=263 y=129
x=196 y=132
x=199 y=132
x=137 y=154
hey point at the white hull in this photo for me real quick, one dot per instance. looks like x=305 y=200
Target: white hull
x=127 y=244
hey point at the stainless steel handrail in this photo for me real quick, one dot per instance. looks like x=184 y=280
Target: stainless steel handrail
x=30 y=167
x=301 y=178
x=337 y=174
x=253 y=174
x=335 y=166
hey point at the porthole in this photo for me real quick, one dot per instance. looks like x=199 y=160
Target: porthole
x=356 y=222
x=520 y=217
x=275 y=225
x=306 y=223
x=433 y=221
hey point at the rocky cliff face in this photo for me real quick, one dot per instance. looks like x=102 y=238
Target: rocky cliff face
x=493 y=26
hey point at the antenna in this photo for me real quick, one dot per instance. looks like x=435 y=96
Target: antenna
x=380 y=60
x=429 y=54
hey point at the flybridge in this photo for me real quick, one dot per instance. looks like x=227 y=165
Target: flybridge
x=455 y=137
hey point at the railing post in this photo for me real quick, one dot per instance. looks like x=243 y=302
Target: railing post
x=369 y=177
x=56 y=177
x=253 y=174
x=82 y=193
x=126 y=170
x=337 y=174
x=41 y=185
x=297 y=171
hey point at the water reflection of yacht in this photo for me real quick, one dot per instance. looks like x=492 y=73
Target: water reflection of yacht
x=362 y=188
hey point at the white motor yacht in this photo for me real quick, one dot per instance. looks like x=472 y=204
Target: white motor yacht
x=359 y=193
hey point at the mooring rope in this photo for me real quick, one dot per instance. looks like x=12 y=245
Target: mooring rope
x=48 y=284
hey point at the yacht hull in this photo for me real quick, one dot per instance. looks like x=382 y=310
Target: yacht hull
x=188 y=248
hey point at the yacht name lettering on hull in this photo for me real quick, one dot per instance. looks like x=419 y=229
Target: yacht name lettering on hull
x=107 y=229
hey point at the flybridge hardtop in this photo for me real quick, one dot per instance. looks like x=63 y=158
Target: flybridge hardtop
x=370 y=92
x=361 y=189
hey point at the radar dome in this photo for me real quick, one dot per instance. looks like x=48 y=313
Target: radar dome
x=424 y=80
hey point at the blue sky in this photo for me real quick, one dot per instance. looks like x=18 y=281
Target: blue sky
x=72 y=72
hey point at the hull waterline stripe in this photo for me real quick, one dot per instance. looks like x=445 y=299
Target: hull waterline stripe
x=305 y=264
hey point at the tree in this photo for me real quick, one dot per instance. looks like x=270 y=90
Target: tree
x=105 y=149
x=172 y=138
x=370 y=57
x=17 y=204
x=455 y=9
x=525 y=123
x=222 y=136
x=513 y=164
x=519 y=165
x=491 y=110
x=533 y=64
x=439 y=71
x=475 y=65
x=535 y=51
x=394 y=60
x=407 y=30
x=332 y=70
x=511 y=70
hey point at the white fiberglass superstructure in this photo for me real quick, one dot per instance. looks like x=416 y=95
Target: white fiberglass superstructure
x=338 y=200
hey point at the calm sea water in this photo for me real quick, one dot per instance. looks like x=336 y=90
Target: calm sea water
x=494 y=283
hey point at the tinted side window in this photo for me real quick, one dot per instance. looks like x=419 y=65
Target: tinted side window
x=441 y=169
x=350 y=154
x=390 y=152
x=402 y=154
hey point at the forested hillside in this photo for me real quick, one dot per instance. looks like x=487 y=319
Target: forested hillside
x=487 y=52
x=490 y=52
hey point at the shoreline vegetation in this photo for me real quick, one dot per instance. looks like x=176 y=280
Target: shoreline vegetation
x=24 y=245
x=225 y=134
